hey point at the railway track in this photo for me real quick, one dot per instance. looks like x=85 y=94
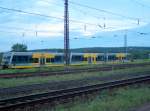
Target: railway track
x=31 y=100
x=71 y=71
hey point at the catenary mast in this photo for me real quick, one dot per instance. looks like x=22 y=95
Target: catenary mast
x=66 y=34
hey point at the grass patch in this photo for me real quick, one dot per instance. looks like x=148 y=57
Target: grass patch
x=57 y=78
x=120 y=100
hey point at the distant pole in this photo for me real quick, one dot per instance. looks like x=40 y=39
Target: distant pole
x=125 y=45
x=66 y=34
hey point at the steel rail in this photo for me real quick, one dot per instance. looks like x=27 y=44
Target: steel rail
x=70 y=71
x=14 y=103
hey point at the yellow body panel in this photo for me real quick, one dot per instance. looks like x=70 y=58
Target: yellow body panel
x=22 y=67
x=92 y=56
x=41 y=55
x=36 y=55
x=47 y=55
x=120 y=55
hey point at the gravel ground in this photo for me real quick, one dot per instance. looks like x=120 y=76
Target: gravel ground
x=38 y=88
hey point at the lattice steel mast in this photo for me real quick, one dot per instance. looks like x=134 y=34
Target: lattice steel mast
x=66 y=34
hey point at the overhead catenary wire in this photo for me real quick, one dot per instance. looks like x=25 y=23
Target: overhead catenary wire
x=20 y=29
x=42 y=15
x=137 y=19
x=141 y=4
x=80 y=38
x=48 y=16
x=78 y=4
x=24 y=29
x=30 y=13
x=102 y=24
x=101 y=10
x=105 y=11
x=60 y=18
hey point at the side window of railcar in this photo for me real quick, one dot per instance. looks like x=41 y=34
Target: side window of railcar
x=6 y=58
x=56 y=59
x=35 y=60
x=20 y=59
x=112 y=57
x=14 y=60
x=32 y=60
x=48 y=60
x=77 y=58
x=100 y=58
x=53 y=60
x=85 y=59
x=24 y=59
x=59 y=58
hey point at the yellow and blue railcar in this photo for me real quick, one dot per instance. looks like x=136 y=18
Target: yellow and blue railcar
x=38 y=59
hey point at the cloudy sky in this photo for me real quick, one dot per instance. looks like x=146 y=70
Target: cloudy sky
x=93 y=23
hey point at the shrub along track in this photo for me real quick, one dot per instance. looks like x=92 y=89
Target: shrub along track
x=73 y=70
x=33 y=100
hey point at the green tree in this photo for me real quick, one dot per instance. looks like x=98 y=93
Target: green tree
x=19 y=48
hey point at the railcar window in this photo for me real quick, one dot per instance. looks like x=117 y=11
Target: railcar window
x=21 y=59
x=48 y=60
x=85 y=59
x=100 y=58
x=111 y=57
x=56 y=59
x=77 y=58
x=35 y=60
x=7 y=57
x=59 y=58
x=53 y=60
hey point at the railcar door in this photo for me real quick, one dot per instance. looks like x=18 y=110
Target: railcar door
x=89 y=60
x=42 y=61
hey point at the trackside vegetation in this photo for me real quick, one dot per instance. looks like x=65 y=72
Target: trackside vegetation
x=4 y=83
x=127 y=99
